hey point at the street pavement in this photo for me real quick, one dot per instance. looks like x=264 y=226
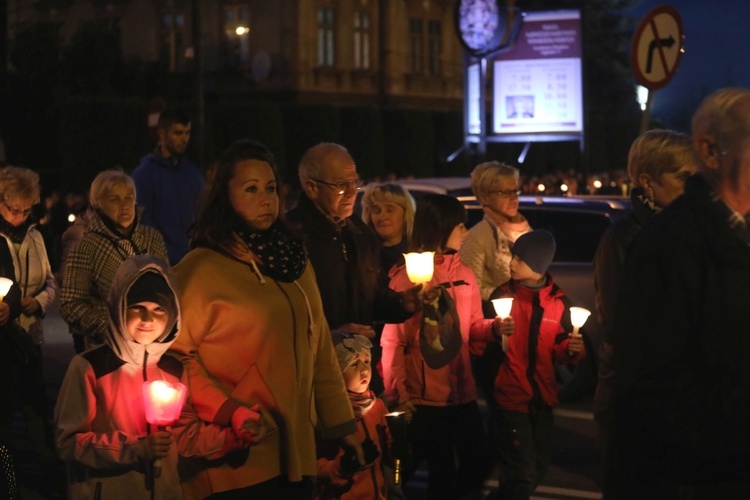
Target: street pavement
x=573 y=473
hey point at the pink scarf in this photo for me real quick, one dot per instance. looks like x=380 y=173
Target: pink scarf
x=361 y=402
x=511 y=229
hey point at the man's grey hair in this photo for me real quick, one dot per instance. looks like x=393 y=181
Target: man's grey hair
x=724 y=116
x=312 y=162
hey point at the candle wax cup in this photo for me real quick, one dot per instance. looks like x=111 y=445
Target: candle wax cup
x=163 y=401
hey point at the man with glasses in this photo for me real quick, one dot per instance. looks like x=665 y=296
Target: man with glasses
x=343 y=250
x=682 y=350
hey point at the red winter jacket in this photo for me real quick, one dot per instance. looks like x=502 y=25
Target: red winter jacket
x=405 y=372
x=514 y=389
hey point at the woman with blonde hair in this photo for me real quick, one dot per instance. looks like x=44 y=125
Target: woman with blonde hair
x=19 y=193
x=389 y=210
x=113 y=235
x=487 y=247
x=659 y=163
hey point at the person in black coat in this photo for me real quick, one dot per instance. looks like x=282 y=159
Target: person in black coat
x=682 y=390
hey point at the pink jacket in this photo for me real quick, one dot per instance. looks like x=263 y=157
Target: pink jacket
x=406 y=375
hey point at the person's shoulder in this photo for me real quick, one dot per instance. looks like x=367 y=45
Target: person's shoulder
x=102 y=360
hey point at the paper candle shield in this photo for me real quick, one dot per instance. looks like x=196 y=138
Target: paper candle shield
x=163 y=401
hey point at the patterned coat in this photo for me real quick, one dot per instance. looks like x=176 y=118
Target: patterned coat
x=89 y=271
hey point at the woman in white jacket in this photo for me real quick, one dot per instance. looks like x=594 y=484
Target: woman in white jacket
x=19 y=192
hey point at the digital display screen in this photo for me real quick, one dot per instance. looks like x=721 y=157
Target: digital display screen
x=537 y=84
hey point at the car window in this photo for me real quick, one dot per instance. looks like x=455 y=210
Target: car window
x=577 y=234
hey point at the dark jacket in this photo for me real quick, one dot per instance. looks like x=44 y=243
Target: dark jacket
x=169 y=194
x=682 y=351
x=609 y=264
x=346 y=259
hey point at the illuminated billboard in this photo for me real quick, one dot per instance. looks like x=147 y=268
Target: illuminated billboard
x=537 y=83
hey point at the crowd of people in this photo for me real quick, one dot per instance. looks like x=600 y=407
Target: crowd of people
x=314 y=363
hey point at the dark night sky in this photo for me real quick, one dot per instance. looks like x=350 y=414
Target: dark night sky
x=717 y=54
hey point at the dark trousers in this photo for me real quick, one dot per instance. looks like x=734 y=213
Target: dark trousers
x=452 y=441
x=276 y=488
x=525 y=443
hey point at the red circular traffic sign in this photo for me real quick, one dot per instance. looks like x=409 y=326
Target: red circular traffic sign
x=657 y=47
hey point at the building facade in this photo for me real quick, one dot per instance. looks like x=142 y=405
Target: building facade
x=395 y=53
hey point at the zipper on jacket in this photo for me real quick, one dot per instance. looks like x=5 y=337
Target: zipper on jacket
x=294 y=329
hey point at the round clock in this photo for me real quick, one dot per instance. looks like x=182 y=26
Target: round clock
x=479 y=25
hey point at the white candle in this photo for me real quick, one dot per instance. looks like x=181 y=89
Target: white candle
x=578 y=316
x=5 y=285
x=420 y=266
x=503 y=306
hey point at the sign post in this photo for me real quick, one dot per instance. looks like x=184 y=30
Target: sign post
x=656 y=51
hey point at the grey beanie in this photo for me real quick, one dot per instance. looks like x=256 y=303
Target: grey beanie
x=536 y=248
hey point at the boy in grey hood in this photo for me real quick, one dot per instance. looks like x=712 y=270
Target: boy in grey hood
x=100 y=420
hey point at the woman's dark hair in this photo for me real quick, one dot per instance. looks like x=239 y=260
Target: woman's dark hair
x=436 y=217
x=217 y=221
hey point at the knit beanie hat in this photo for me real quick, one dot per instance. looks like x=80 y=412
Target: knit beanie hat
x=348 y=345
x=152 y=287
x=536 y=248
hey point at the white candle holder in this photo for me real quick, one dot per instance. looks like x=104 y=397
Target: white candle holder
x=420 y=266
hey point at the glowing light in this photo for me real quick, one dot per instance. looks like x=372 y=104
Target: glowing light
x=242 y=30
x=503 y=306
x=71 y=218
x=163 y=401
x=641 y=93
x=564 y=188
x=420 y=266
x=541 y=188
x=5 y=285
x=597 y=184
x=578 y=316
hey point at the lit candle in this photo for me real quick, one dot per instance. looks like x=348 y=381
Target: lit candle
x=5 y=285
x=503 y=306
x=578 y=316
x=400 y=447
x=420 y=266
x=163 y=401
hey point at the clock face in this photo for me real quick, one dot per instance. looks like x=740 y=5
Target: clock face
x=479 y=24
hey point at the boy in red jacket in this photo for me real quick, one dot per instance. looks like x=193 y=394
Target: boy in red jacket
x=525 y=386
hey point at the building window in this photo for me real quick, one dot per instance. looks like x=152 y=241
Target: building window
x=362 y=40
x=416 y=34
x=236 y=36
x=326 y=25
x=433 y=47
x=173 y=40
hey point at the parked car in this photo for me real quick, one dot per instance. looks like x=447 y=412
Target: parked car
x=577 y=223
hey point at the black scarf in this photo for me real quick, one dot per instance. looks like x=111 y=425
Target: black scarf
x=15 y=233
x=282 y=254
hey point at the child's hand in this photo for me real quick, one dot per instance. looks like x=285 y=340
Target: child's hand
x=158 y=444
x=408 y=408
x=503 y=326
x=248 y=425
x=575 y=345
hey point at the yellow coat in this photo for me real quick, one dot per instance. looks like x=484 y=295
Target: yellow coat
x=249 y=339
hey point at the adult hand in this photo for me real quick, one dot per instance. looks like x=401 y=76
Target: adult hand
x=353 y=448
x=503 y=326
x=358 y=329
x=248 y=424
x=158 y=444
x=29 y=306
x=408 y=408
x=414 y=298
x=575 y=345
x=4 y=313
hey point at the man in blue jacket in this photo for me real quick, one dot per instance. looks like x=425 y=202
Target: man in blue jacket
x=168 y=184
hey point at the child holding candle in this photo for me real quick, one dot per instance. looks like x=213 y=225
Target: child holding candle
x=426 y=359
x=100 y=418
x=339 y=473
x=525 y=386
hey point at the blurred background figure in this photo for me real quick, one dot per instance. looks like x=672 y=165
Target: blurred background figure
x=659 y=163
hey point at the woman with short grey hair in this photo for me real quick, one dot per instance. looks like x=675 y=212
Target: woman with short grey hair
x=486 y=249
x=112 y=236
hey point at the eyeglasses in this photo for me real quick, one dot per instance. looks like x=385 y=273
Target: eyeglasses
x=17 y=211
x=342 y=187
x=507 y=193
